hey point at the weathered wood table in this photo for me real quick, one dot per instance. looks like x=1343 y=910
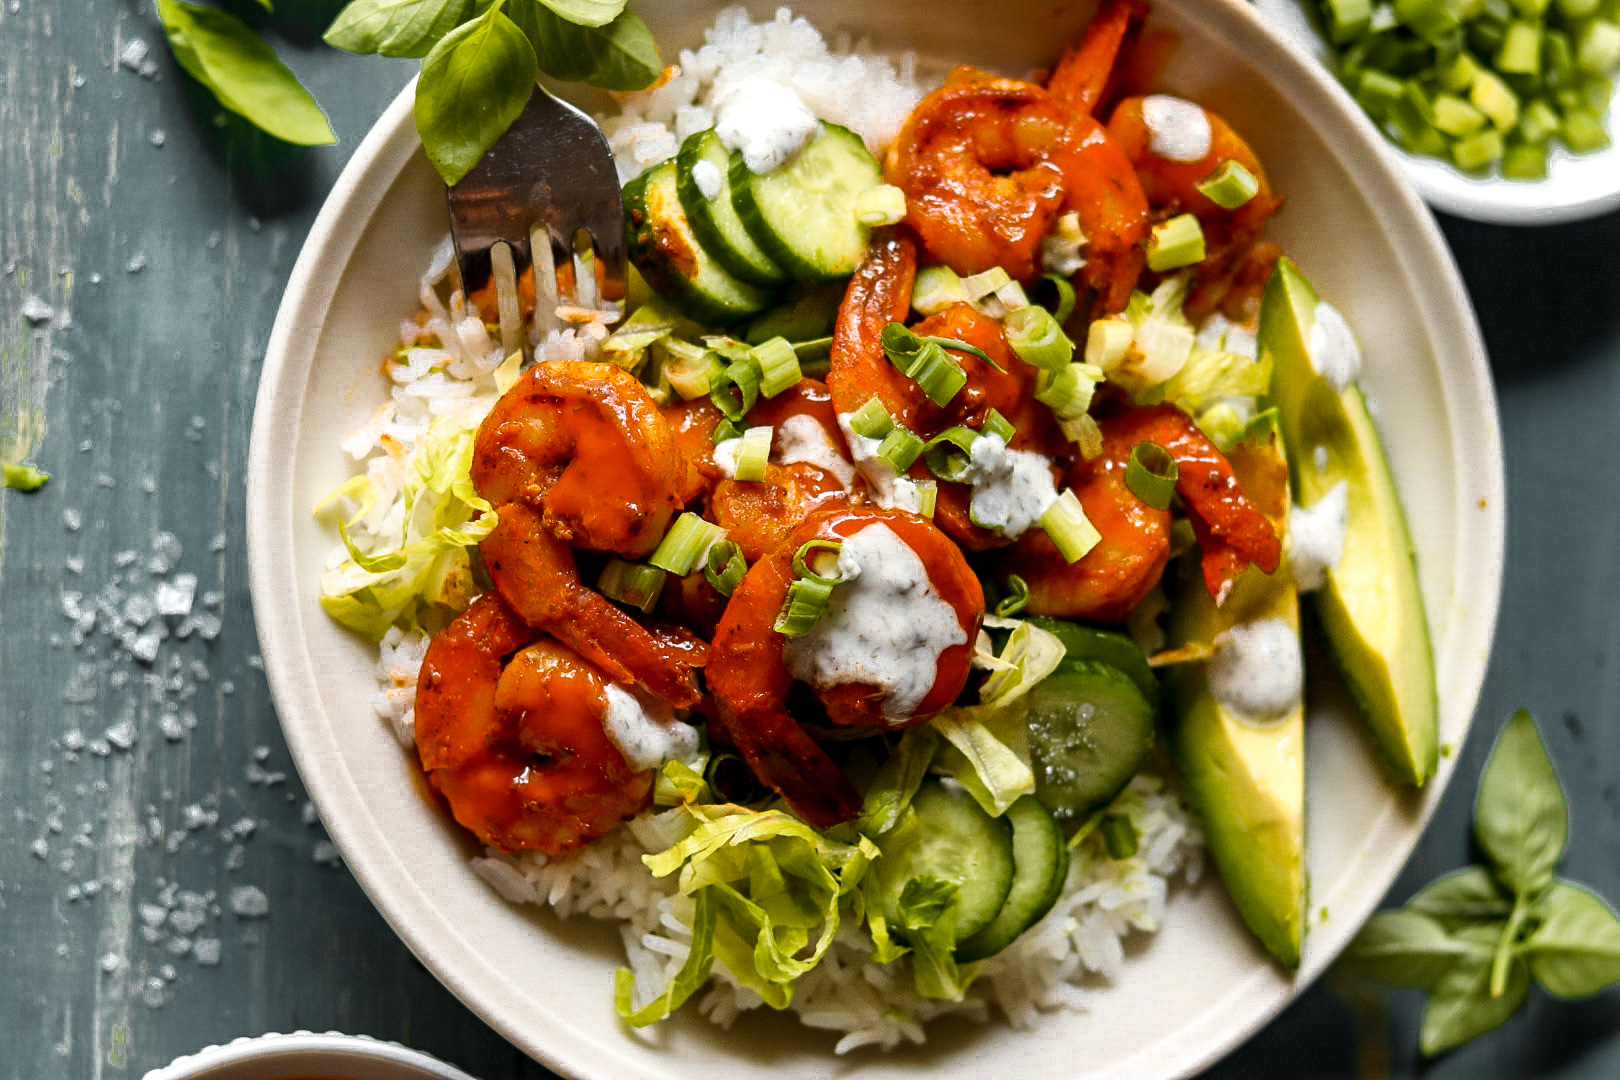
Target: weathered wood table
x=164 y=882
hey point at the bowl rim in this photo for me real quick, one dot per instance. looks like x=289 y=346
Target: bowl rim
x=336 y=1049
x=384 y=153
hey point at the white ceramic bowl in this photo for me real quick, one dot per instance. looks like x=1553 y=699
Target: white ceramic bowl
x=1577 y=186
x=330 y=1056
x=1189 y=994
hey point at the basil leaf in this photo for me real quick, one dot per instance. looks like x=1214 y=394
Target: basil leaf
x=396 y=27
x=1521 y=819
x=474 y=83
x=619 y=56
x=1575 y=952
x=228 y=56
x=1456 y=900
x=1460 y=1005
x=587 y=12
x=1405 y=948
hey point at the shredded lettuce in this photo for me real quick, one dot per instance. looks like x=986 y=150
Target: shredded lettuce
x=408 y=536
x=775 y=885
x=928 y=914
x=680 y=782
x=896 y=783
x=652 y=322
x=693 y=973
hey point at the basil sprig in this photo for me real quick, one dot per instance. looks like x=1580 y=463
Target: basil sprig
x=479 y=67
x=1477 y=938
x=480 y=62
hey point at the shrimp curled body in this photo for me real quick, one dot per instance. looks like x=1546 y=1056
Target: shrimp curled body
x=750 y=677
x=519 y=748
x=1115 y=575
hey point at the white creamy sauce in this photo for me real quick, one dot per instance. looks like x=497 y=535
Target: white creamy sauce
x=706 y=175
x=645 y=729
x=725 y=456
x=1011 y=488
x=764 y=120
x=1316 y=537
x=802 y=438
x=1334 y=352
x=887 y=488
x=885 y=627
x=1217 y=333
x=1257 y=671
x=1062 y=249
x=1178 y=130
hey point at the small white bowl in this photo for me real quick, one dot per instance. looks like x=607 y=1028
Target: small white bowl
x=1577 y=186
x=301 y=1054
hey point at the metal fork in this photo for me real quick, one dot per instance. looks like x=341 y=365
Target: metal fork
x=545 y=195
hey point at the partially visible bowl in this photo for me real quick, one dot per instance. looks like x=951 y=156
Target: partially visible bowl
x=1189 y=994
x=1577 y=186
x=305 y=1054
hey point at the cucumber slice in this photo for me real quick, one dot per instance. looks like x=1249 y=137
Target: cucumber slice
x=1040 y=868
x=665 y=250
x=714 y=220
x=1082 y=642
x=1090 y=730
x=956 y=841
x=804 y=313
x=803 y=213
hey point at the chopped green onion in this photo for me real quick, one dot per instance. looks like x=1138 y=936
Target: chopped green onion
x=1036 y=336
x=806 y=600
x=684 y=546
x=1066 y=523
x=883 y=204
x=949 y=453
x=1456 y=117
x=1016 y=599
x=1012 y=297
x=924 y=361
x=1119 y=836
x=1521 y=49
x=812 y=349
x=1151 y=474
x=731 y=778
x=1231 y=185
x=1583 y=131
x=1539 y=121
x=937 y=288
x=1085 y=434
x=735 y=389
x=729 y=348
x=1068 y=391
x=979 y=286
x=754 y=453
x=1065 y=297
x=21 y=477
x=1347 y=19
x=1431 y=20
x=927 y=497
x=725 y=431
x=996 y=424
x=872 y=420
x=725 y=567
x=1525 y=161
x=900 y=447
x=1493 y=97
x=1108 y=341
x=778 y=365
x=1479 y=151
x=691 y=369
x=817 y=552
x=1598 y=48
x=636 y=584
x=1175 y=243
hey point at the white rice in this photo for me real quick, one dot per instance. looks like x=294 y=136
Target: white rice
x=1059 y=963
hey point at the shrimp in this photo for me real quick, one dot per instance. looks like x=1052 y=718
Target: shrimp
x=988 y=164
x=535 y=573
x=584 y=444
x=751 y=680
x=1171 y=186
x=520 y=751
x=1084 y=79
x=1113 y=577
x=692 y=423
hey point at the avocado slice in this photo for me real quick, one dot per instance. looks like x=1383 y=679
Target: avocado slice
x=1244 y=778
x=1371 y=607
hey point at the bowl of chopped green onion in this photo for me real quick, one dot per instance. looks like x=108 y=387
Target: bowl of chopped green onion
x=1501 y=110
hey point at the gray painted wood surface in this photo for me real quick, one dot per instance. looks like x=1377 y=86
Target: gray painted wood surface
x=150 y=810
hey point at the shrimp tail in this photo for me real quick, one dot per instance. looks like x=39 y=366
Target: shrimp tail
x=1085 y=79
x=535 y=573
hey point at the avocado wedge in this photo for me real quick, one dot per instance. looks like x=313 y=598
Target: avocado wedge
x=1244 y=777
x=1370 y=608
